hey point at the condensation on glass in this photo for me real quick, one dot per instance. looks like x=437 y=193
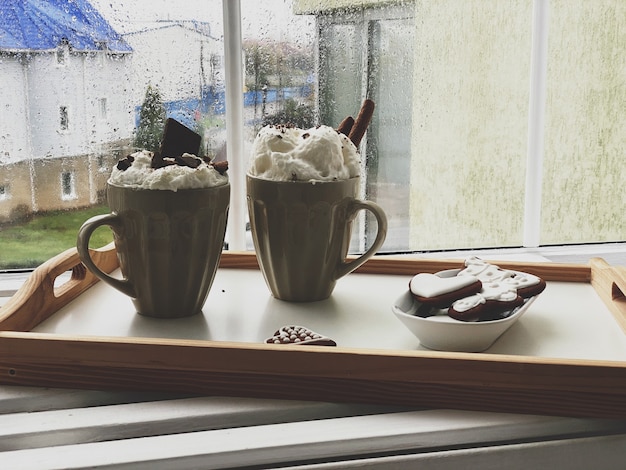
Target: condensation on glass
x=445 y=154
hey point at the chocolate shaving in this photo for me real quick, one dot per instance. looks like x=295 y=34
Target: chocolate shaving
x=188 y=160
x=362 y=122
x=306 y=135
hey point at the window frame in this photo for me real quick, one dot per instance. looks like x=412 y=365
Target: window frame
x=5 y=192
x=64 y=119
x=68 y=185
x=103 y=109
x=62 y=54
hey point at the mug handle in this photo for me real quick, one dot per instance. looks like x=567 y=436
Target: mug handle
x=82 y=246
x=347 y=266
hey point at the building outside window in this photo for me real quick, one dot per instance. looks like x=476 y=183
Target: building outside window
x=4 y=192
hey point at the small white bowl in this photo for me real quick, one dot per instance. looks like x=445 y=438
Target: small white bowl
x=442 y=333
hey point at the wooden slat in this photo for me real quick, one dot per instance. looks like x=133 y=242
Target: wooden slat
x=417 y=378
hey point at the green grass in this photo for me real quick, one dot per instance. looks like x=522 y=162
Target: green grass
x=29 y=244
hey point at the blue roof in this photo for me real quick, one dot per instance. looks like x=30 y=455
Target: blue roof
x=38 y=25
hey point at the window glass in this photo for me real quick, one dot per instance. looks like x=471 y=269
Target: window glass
x=445 y=155
x=470 y=120
x=585 y=129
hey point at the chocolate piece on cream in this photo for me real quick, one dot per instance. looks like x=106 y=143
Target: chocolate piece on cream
x=178 y=140
x=125 y=163
x=221 y=166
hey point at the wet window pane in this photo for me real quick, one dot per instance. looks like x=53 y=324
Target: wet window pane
x=584 y=184
x=445 y=155
x=470 y=121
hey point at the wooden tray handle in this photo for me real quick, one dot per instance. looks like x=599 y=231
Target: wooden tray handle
x=610 y=284
x=39 y=297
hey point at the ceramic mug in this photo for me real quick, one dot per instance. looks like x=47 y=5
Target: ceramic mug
x=168 y=243
x=302 y=231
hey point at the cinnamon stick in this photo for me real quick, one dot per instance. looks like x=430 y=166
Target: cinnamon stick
x=362 y=122
x=346 y=125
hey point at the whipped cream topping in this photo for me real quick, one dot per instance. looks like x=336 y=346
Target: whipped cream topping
x=141 y=175
x=321 y=153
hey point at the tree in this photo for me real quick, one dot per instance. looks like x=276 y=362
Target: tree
x=151 y=121
x=258 y=66
x=299 y=115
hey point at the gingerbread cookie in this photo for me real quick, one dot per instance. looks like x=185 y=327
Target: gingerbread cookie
x=490 y=303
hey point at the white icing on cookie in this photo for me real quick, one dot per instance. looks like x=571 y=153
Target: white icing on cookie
x=484 y=271
x=499 y=291
x=430 y=285
x=520 y=280
x=468 y=303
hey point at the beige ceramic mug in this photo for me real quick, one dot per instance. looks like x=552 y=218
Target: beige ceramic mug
x=168 y=244
x=302 y=231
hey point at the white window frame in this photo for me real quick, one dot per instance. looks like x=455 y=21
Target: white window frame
x=233 y=69
x=536 y=124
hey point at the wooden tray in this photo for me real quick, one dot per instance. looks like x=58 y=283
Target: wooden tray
x=489 y=382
